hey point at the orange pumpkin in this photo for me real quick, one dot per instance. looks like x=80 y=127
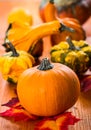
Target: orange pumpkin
x=48 y=89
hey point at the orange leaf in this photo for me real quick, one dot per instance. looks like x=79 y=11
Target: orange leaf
x=59 y=122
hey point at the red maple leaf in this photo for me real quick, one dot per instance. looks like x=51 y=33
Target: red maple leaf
x=18 y=113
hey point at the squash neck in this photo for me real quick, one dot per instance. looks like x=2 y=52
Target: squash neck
x=45 y=65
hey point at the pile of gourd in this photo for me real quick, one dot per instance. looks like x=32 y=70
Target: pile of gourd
x=46 y=88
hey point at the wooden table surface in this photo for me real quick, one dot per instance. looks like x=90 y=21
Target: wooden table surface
x=82 y=109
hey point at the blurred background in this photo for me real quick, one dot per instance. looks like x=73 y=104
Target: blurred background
x=7 y=5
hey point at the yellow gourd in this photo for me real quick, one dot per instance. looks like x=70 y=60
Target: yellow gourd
x=13 y=63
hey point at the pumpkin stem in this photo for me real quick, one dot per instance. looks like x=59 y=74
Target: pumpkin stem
x=71 y=45
x=11 y=48
x=65 y=28
x=45 y=64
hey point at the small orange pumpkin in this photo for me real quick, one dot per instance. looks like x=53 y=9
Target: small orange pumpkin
x=48 y=89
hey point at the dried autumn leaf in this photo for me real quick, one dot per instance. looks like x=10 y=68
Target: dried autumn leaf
x=14 y=102
x=59 y=122
x=85 y=83
x=18 y=113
